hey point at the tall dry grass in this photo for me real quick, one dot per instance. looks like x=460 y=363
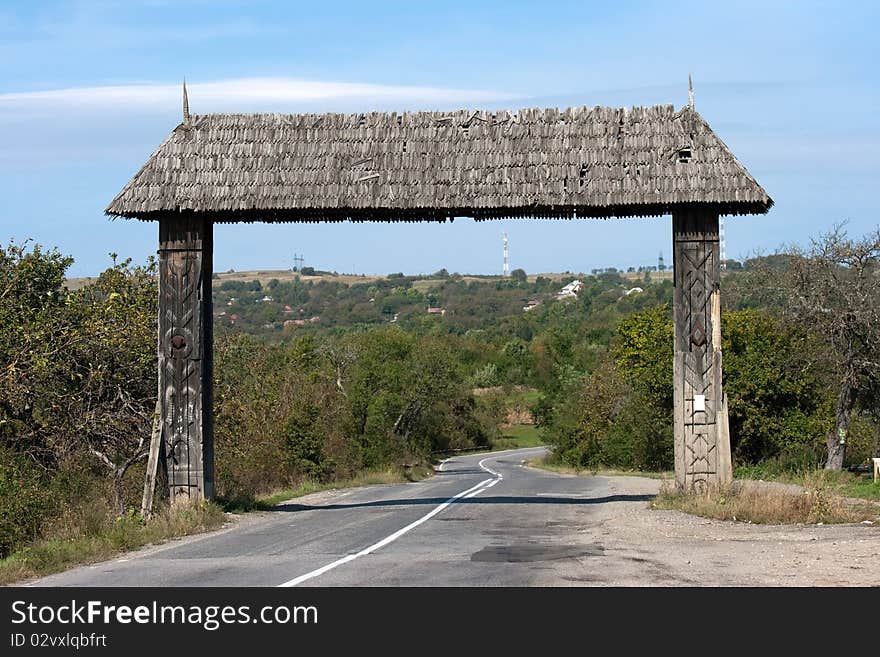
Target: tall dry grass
x=813 y=501
x=89 y=534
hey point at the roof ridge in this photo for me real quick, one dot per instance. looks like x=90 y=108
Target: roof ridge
x=461 y=110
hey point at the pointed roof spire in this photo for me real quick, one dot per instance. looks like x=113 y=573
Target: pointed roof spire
x=690 y=92
x=185 y=105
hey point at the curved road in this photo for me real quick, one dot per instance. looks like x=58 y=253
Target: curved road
x=482 y=520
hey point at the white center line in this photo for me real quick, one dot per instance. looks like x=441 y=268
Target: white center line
x=488 y=469
x=470 y=492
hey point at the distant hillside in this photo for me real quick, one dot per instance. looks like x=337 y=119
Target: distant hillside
x=284 y=275
x=283 y=302
x=280 y=302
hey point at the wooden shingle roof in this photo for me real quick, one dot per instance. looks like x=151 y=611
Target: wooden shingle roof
x=585 y=162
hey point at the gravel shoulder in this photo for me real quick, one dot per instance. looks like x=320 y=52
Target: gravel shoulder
x=643 y=546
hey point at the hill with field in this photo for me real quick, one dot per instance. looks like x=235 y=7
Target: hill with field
x=282 y=302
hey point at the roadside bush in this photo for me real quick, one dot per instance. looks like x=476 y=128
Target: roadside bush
x=777 y=402
x=641 y=437
x=25 y=499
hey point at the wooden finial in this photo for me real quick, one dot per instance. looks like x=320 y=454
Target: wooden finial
x=185 y=105
x=690 y=92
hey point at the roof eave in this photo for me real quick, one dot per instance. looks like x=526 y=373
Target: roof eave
x=427 y=214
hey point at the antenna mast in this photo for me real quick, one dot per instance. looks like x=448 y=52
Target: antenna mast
x=505 y=271
x=722 y=246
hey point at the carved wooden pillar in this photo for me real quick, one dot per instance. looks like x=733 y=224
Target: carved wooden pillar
x=186 y=355
x=702 y=439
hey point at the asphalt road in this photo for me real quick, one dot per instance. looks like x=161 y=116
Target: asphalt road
x=482 y=520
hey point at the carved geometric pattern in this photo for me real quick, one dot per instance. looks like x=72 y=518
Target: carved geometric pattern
x=698 y=334
x=180 y=368
x=695 y=256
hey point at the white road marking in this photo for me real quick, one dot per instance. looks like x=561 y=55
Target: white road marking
x=470 y=492
x=498 y=477
x=480 y=490
x=488 y=469
x=385 y=541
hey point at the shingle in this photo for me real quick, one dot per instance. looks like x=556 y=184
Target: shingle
x=581 y=162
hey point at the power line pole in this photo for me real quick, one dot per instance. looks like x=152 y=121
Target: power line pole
x=297 y=262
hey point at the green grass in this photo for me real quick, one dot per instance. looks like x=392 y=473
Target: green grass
x=847 y=484
x=520 y=435
x=548 y=462
x=53 y=554
x=525 y=396
x=859 y=487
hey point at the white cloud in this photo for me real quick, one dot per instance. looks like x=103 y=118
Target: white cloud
x=244 y=94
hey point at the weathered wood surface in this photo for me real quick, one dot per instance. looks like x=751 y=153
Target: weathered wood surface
x=702 y=444
x=152 y=461
x=185 y=355
x=388 y=166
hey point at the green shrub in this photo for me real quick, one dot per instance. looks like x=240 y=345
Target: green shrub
x=25 y=499
x=778 y=405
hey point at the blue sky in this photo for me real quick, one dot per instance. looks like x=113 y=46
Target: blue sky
x=89 y=89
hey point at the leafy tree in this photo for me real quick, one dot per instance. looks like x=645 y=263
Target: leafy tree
x=643 y=353
x=233 y=286
x=78 y=366
x=776 y=394
x=109 y=372
x=832 y=287
x=31 y=302
x=486 y=377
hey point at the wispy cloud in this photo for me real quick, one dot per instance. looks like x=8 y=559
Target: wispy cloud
x=243 y=94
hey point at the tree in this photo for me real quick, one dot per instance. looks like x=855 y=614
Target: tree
x=78 y=367
x=519 y=275
x=30 y=303
x=777 y=399
x=109 y=392
x=834 y=288
x=642 y=351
